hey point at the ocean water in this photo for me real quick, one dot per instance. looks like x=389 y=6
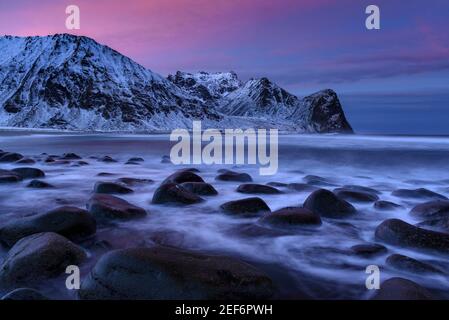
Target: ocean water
x=304 y=262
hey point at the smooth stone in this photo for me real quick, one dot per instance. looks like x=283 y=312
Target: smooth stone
x=277 y=184
x=253 y=188
x=368 y=250
x=400 y=233
x=437 y=223
x=200 y=188
x=39 y=256
x=29 y=173
x=9 y=178
x=106 y=174
x=132 y=163
x=82 y=163
x=70 y=156
x=401 y=289
x=301 y=187
x=39 y=184
x=386 y=205
x=71 y=222
x=352 y=194
x=182 y=176
x=10 y=157
x=361 y=189
x=25 y=161
x=317 y=180
x=172 y=193
x=420 y=193
x=164 y=273
x=234 y=176
x=251 y=230
x=136 y=159
x=326 y=204
x=431 y=209
x=107 y=159
x=248 y=206
x=134 y=181
x=404 y=263
x=291 y=216
x=107 y=207
x=24 y=294
x=111 y=188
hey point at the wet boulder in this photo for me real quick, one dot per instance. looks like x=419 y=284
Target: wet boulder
x=39 y=256
x=29 y=173
x=172 y=193
x=400 y=233
x=291 y=216
x=253 y=188
x=25 y=161
x=24 y=294
x=318 y=181
x=247 y=207
x=401 y=289
x=228 y=175
x=163 y=273
x=136 y=159
x=134 y=181
x=356 y=194
x=431 y=209
x=386 y=205
x=107 y=159
x=301 y=187
x=403 y=263
x=368 y=250
x=436 y=223
x=420 y=193
x=111 y=188
x=326 y=204
x=200 y=188
x=10 y=157
x=71 y=222
x=106 y=207
x=9 y=178
x=69 y=156
x=39 y=184
x=182 y=176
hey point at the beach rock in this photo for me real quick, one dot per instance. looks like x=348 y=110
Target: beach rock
x=420 y=193
x=317 y=181
x=437 y=223
x=252 y=230
x=107 y=207
x=9 y=178
x=29 y=173
x=326 y=204
x=24 y=294
x=431 y=209
x=403 y=263
x=10 y=157
x=163 y=273
x=253 y=188
x=182 y=176
x=200 y=188
x=386 y=205
x=291 y=216
x=71 y=222
x=356 y=194
x=401 y=289
x=172 y=193
x=39 y=184
x=136 y=159
x=132 y=163
x=400 y=233
x=70 y=156
x=25 y=161
x=368 y=250
x=107 y=159
x=361 y=189
x=248 y=206
x=39 y=256
x=228 y=175
x=111 y=188
x=134 y=181
x=301 y=187
x=82 y=163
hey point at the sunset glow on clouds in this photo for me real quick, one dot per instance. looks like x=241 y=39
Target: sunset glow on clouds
x=302 y=45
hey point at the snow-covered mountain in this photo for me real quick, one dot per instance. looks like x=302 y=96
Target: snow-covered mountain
x=70 y=82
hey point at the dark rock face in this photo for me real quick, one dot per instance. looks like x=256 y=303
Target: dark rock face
x=182 y=176
x=39 y=184
x=327 y=204
x=29 y=173
x=368 y=250
x=420 y=193
x=386 y=205
x=172 y=193
x=39 y=256
x=431 y=209
x=10 y=157
x=228 y=175
x=401 y=289
x=253 y=188
x=107 y=207
x=164 y=273
x=291 y=216
x=71 y=222
x=356 y=194
x=111 y=188
x=200 y=188
x=248 y=206
x=407 y=264
x=24 y=294
x=400 y=233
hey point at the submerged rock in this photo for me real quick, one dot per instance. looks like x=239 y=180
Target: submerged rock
x=111 y=188
x=401 y=289
x=9 y=178
x=172 y=193
x=386 y=205
x=407 y=264
x=70 y=156
x=39 y=256
x=326 y=204
x=107 y=207
x=228 y=175
x=248 y=206
x=356 y=194
x=302 y=187
x=10 y=157
x=25 y=161
x=253 y=188
x=107 y=159
x=291 y=216
x=39 y=184
x=420 y=193
x=431 y=209
x=29 y=173
x=200 y=188
x=162 y=273
x=368 y=250
x=182 y=176
x=317 y=181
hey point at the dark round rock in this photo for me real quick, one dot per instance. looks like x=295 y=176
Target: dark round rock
x=291 y=216
x=39 y=184
x=326 y=204
x=386 y=205
x=436 y=223
x=26 y=161
x=9 y=178
x=172 y=193
x=234 y=176
x=70 y=156
x=431 y=209
x=248 y=206
x=71 y=222
x=317 y=181
x=400 y=233
x=29 y=173
x=356 y=195
x=401 y=289
x=301 y=187
x=182 y=176
x=107 y=159
x=403 y=263
x=253 y=188
x=107 y=207
x=368 y=250
x=136 y=159
x=39 y=256
x=10 y=157
x=111 y=188
x=24 y=294
x=420 y=193
x=163 y=273
x=200 y=188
